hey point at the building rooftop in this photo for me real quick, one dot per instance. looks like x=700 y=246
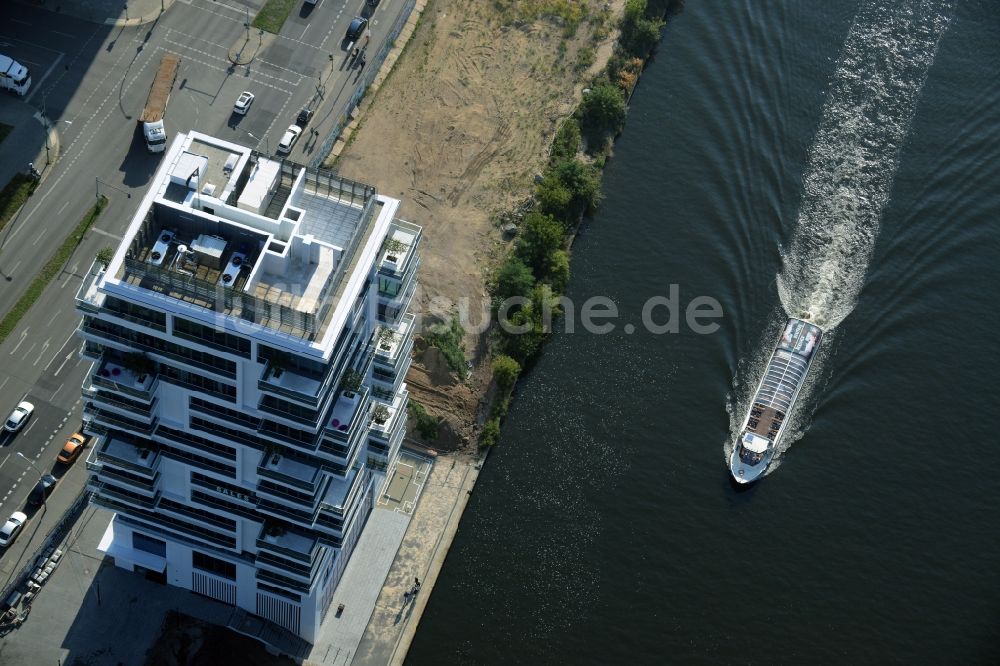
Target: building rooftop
x=228 y=231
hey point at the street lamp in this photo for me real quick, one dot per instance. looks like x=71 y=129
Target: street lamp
x=28 y=460
x=99 y=182
x=266 y=147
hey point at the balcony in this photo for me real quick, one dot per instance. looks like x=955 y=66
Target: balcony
x=92 y=413
x=286 y=542
x=397 y=412
x=113 y=375
x=291 y=472
x=389 y=347
x=88 y=297
x=347 y=412
x=126 y=455
x=102 y=489
x=289 y=384
x=401 y=244
x=113 y=402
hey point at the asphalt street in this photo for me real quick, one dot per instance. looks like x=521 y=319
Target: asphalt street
x=91 y=81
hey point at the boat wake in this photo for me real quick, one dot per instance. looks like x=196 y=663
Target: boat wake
x=851 y=165
x=854 y=157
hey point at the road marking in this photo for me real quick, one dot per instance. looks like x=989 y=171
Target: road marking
x=304 y=31
x=63 y=208
x=13 y=271
x=64 y=34
x=59 y=351
x=4 y=383
x=38 y=237
x=72 y=274
x=30 y=426
x=19 y=21
x=59 y=369
x=105 y=233
x=52 y=318
x=28 y=353
x=24 y=335
x=45 y=346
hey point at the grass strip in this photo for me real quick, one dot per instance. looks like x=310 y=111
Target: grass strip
x=5 y=130
x=49 y=271
x=273 y=14
x=13 y=196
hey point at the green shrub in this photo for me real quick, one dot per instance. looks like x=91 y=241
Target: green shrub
x=490 y=435
x=567 y=141
x=640 y=34
x=424 y=424
x=540 y=237
x=505 y=371
x=558 y=276
x=513 y=278
x=14 y=194
x=448 y=338
x=602 y=113
x=534 y=317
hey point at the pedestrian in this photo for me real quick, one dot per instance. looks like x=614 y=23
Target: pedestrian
x=406 y=596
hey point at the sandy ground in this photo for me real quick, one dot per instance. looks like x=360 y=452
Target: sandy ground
x=458 y=131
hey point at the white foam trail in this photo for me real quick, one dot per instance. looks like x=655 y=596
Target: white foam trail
x=853 y=159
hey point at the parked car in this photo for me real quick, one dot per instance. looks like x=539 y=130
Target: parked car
x=42 y=490
x=76 y=443
x=12 y=528
x=305 y=115
x=243 y=103
x=19 y=417
x=357 y=27
x=288 y=139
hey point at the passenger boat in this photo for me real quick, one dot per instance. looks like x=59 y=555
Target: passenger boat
x=785 y=374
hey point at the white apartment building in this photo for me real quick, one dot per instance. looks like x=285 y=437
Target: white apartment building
x=250 y=341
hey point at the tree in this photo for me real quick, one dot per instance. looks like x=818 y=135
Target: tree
x=505 y=370
x=513 y=279
x=540 y=236
x=602 y=112
x=105 y=255
x=558 y=274
x=554 y=198
x=583 y=183
x=640 y=34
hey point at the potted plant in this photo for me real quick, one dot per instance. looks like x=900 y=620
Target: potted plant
x=394 y=247
x=380 y=413
x=386 y=336
x=351 y=382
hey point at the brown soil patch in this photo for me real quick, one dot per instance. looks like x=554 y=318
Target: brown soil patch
x=457 y=132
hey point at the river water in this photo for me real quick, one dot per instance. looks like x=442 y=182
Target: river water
x=837 y=158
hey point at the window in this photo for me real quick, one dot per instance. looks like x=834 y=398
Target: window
x=212 y=337
x=148 y=544
x=213 y=565
x=387 y=287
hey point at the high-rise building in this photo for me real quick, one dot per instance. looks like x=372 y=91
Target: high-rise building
x=250 y=340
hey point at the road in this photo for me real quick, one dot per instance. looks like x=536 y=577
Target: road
x=91 y=82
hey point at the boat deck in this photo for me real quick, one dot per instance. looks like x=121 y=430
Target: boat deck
x=765 y=421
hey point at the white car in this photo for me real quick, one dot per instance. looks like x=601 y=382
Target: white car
x=18 y=417
x=243 y=103
x=288 y=139
x=12 y=528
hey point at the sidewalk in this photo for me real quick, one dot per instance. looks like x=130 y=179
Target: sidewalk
x=422 y=553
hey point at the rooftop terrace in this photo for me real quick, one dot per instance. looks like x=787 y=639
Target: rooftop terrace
x=266 y=241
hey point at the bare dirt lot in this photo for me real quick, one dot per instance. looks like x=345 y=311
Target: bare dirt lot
x=458 y=131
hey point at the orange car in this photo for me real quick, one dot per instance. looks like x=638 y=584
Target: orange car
x=71 y=450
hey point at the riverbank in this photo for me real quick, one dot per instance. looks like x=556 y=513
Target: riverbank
x=466 y=119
